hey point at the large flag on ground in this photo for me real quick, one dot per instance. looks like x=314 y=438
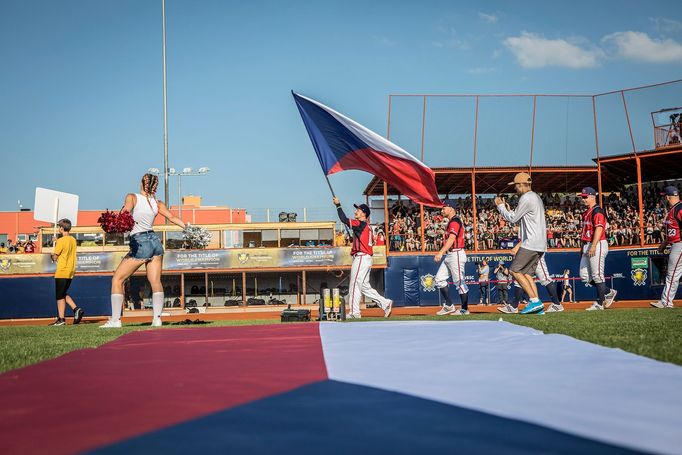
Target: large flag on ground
x=329 y=388
x=342 y=144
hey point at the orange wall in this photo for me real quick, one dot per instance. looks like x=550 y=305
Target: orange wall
x=13 y=223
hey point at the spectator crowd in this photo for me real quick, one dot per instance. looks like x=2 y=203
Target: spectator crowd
x=10 y=247
x=563 y=212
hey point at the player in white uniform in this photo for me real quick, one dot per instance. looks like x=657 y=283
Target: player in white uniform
x=673 y=236
x=453 y=265
x=594 y=250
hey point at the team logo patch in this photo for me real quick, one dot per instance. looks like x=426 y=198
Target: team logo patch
x=5 y=264
x=243 y=258
x=639 y=277
x=428 y=282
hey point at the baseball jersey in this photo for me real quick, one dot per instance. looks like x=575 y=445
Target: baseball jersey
x=592 y=219
x=673 y=223
x=363 y=238
x=455 y=227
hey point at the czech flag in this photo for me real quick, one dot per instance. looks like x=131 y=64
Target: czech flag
x=342 y=144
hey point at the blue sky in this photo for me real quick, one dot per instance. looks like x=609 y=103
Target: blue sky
x=81 y=93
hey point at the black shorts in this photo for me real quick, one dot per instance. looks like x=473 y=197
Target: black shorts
x=62 y=287
x=525 y=261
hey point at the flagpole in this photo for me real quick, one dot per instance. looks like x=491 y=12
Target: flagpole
x=326 y=177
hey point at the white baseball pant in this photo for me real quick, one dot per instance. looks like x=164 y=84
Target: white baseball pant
x=592 y=268
x=542 y=272
x=359 y=284
x=453 y=266
x=672 y=278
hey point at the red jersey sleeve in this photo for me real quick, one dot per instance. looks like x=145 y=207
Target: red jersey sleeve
x=599 y=219
x=454 y=228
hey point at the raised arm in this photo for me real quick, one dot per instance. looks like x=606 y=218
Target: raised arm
x=166 y=213
x=514 y=216
x=342 y=216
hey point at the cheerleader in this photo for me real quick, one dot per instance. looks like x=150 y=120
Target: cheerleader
x=145 y=248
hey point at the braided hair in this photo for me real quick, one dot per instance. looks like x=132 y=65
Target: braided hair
x=149 y=184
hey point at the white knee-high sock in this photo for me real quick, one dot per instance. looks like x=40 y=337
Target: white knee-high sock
x=116 y=306
x=157 y=304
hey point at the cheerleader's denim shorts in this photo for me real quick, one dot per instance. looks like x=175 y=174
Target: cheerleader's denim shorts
x=144 y=246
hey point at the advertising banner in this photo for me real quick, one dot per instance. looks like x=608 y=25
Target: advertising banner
x=178 y=260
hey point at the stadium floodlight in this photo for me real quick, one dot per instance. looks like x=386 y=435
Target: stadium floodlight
x=153 y=170
x=171 y=171
x=204 y=170
x=187 y=170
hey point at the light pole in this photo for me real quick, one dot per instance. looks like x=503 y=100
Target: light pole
x=165 y=109
x=188 y=171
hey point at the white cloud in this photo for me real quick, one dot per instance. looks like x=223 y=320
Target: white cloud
x=666 y=26
x=535 y=51
x=639 y=46
x=488 y=18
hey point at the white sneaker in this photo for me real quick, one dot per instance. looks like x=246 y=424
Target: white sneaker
x=352 y=316
x=507 y=308
x=554 y=308
x=388 y=309
x=659 y=304
x=156 y=322
x=595 y=307
x=111 y=324
x=447 y=309
x=610 y=298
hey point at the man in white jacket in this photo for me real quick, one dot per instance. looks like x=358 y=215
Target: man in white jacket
x=530 y=213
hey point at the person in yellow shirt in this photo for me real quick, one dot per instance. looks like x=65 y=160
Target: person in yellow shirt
x=65 y=257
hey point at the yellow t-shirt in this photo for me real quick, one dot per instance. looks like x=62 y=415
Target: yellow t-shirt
x=65 y=249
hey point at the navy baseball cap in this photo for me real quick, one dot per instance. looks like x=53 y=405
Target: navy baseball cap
x=671 y=190
x=588 y=191
x=364 y=208
x=451 y=203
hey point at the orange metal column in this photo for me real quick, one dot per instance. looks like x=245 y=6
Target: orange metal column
x=473 y=206
x=596 y=144
x=421 y=217
x=640 y=200
x=639 y=172
x=423 y=126
x=473 y=182
x=388 y=234
x=388 y=136
x=421 y=207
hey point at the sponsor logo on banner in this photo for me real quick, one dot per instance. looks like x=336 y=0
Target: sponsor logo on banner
x=639 y=262
x=639 y=277
x=243 y=258
x=5 y=264
x=428 y=282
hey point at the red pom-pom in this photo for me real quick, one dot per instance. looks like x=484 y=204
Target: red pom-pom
x=116 y=222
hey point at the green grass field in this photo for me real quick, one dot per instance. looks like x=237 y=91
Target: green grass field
x=652 y=333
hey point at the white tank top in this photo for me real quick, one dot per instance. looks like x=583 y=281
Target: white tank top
x=144 y=213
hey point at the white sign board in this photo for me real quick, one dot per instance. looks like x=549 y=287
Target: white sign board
x=51 y=206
